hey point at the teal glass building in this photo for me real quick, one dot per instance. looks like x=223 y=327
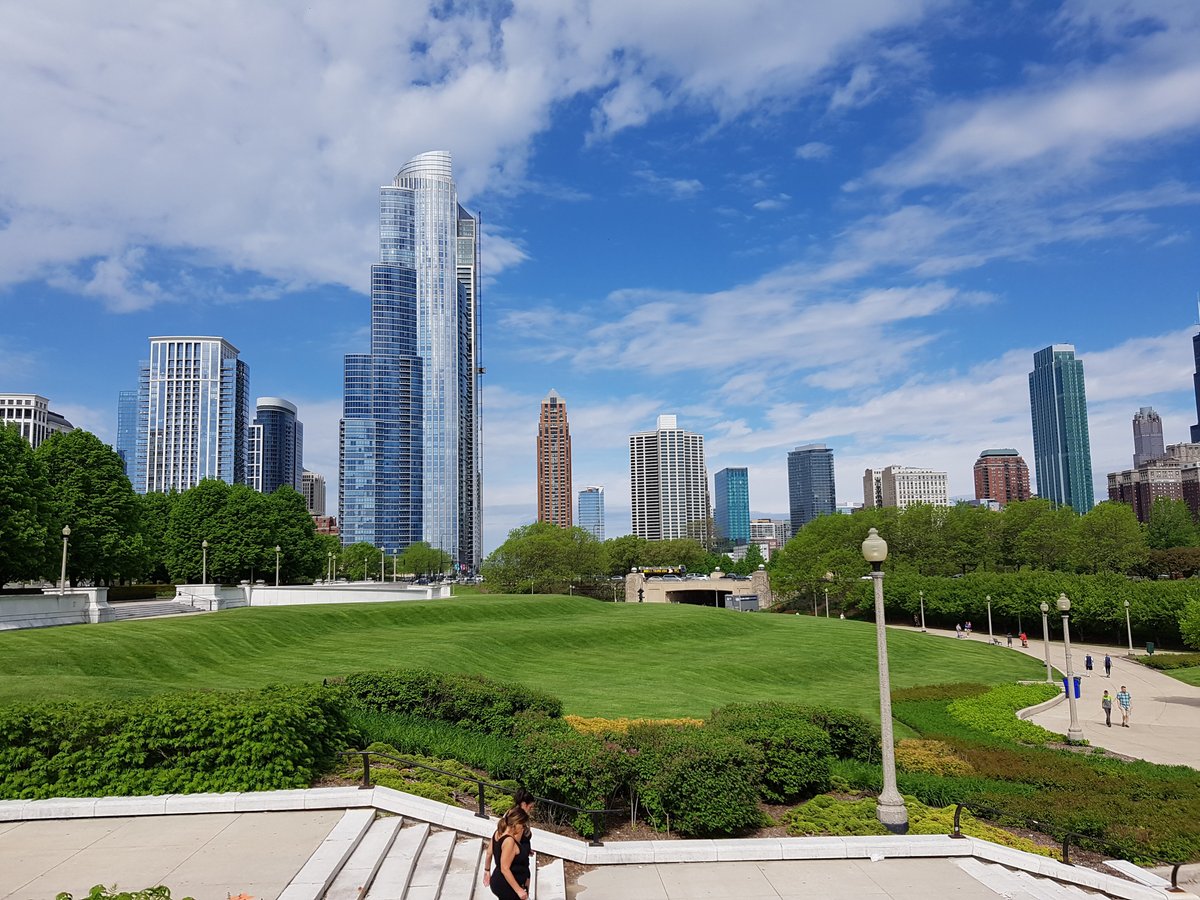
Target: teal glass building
x=732 y=503
x=1062 y=451
x=811 y=488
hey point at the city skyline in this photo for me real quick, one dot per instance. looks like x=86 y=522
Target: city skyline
x=917 y=200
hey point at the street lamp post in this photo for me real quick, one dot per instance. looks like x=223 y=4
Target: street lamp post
x=1074 y=732
x=921 y=597
x=889 y=808
x=1045 y=608
x=989 y=603
x=278 y=550
x=1128 y=630
x=63 y=575
x=827 y=603
x=329 y=566
x=382 y=558
x=393 y=565
x=204 y=563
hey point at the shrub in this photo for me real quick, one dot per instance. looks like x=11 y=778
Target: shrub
x=473 y=701
x=851 y=736
x=455 y=788
x=938 y=692
x=428 y=737
x=995 y=712
x=1171 y=660
x=572 y=768
x=827 y=815
x=100 y=892
x=1189 y=626
x=930 y=758
x=695 y=780
x=615 y=728
x=280 y=737
x=795 y=752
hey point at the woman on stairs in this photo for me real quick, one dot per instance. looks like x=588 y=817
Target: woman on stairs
x=511 y=849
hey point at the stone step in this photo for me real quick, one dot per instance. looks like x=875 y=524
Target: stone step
x=391 y=881
x=149 y=609
x=426 y=880
x=552 y=881
x=1002 y=881
x=463 y=873
x=482 y=892
x=356 y=875
x=311 y=882
x=1137 y=873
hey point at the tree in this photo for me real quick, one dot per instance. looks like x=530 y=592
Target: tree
x=29 y=528
x=623 y=553
x=1014 y=519
x=1189 y=624
x=421 y=559
x=1170 y=525
x=93 y=496
x=1178 y=562
x=543 y=557
x=195 y=518
x=154 y=517
x=290 y=527
x=1110 y=539
x=1049 y=541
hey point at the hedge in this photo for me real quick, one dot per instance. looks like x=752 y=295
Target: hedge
x=473 y=701
x=279 y=737
x=995 y=712
x=795 y=752
x=576 y=769
x=1170 y=660
x=851 y=735
x=695 y=781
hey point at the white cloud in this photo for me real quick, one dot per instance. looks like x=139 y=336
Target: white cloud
x=770 y=204
x=857 y=91
x=814 y=150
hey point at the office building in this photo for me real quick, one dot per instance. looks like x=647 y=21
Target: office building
x=312 y=487
x=770 y=534
x=872 y=488
x=555 y=494
x=423 y=229
x=276 y=446
x=902 y=486
x=1147 y=436
x=1195 y=431
x=1062 y=454
x=591 y=511
x=848 y=508
x=732 y=503
x=1001 y=475
x=811 y=490
x=127 y=430
x=668 y=483
x=32 y=415
x=1154 y=479
x=381 y=455
x=193 y=414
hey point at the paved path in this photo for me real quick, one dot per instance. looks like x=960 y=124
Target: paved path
x=1164 y=726
x=208 y=857
x=829 y=879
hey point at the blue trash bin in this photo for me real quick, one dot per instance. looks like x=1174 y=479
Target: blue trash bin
x=1077 y=680
x=1066 y=689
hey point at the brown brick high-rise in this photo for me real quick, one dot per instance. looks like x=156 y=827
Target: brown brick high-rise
x=554 y=463
x=1001 y=475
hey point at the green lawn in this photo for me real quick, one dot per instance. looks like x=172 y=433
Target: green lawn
x=600 y=658
x=1190 y=675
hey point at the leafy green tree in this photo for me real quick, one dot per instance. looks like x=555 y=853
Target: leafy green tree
x=623 y=553
x=92 y=495
x=1170 y=525
x=1014 y=519
x=1178 y=562
x=920 y=539
x=684 y=552
x=1110 y=539
x=971 y=535
x=290 y=527
x=154 y=516
x=1189 y=624
x=359 y=562
x=29 y=527
x=1049 y=541
x=195 y=518
x=545 y=558
x=421 y=559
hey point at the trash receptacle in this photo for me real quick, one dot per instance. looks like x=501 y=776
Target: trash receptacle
x=1066 y=689
x=1149 y=648
x=1077 y=680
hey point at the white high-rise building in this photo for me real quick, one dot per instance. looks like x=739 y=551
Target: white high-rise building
x=312 y=487
x=902 y=486
x=32 y=415
x=193 y=414
x=668 y=483
x=591 y=511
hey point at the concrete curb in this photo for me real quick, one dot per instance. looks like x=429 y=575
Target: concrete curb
x=573 y=850
x=1030 y=711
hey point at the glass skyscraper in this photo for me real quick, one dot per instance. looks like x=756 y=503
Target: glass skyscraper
x=733 y=504
x=276 y=446
x=127 y=429
x=193 y=414
x=811 y=490
x=591 y=511
x=424 y=230
x=1062 y=453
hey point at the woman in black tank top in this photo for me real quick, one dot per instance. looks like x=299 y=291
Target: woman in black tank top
x=511 y=849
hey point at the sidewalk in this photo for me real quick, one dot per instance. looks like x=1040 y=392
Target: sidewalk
x=1164 y=726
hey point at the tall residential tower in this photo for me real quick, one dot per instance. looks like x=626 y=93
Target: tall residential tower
x=591 y=511
x=811 y=489
x=1001 y=475
x=1062 y=452
x=732 y=503
x=1147 y=436
x=555 y=495
x=276 y=446
x=668 y=483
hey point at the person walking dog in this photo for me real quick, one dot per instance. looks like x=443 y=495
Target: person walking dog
x=1125 y=702
x=1106 y=704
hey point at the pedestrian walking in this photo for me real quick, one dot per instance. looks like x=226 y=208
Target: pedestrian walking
x=967 y=628
x=1125 y=702
x=1107 y=666
x=1024 y=639
x=1009 y=636
x=1106 y=705
x=957 y=631
x=1087 y=662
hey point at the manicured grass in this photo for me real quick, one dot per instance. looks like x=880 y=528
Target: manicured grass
x=602 y=659
x=1190 y=675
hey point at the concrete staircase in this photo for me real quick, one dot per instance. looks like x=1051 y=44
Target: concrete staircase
x=148 y=609
x=366 y=857
x=1017 y=885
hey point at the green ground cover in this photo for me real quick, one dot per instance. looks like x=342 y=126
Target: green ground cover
x=1191 y=676
x=601 y=659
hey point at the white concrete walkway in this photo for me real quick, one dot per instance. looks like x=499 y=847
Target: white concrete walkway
x=1164 y=724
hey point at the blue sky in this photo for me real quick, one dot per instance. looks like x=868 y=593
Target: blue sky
x=787 y=223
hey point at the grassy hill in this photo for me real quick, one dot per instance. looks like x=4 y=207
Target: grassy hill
x=602 y=659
